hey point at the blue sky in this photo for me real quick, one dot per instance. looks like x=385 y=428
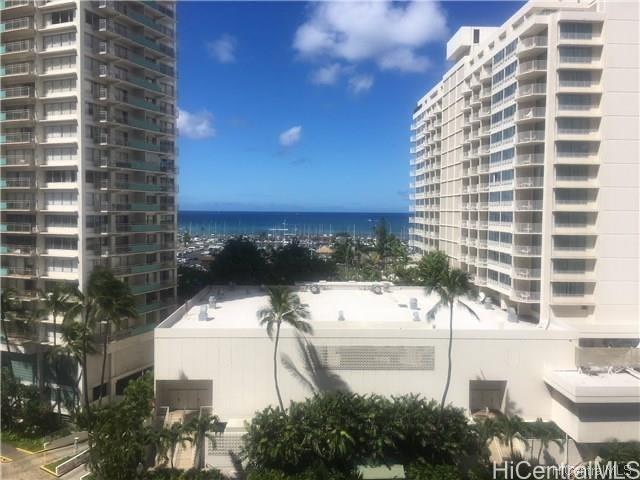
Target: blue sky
x=306 y=106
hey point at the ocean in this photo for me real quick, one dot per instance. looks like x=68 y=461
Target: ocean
x=300 y=223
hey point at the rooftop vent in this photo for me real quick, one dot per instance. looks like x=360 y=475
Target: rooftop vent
x=377 y=289
x=203 y=315
x=212 y=302
x=341 y=316
x=413 y=303
x=315 y=289
x=416 y=317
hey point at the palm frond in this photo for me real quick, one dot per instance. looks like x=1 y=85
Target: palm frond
x=431 y=313
x=468 y=309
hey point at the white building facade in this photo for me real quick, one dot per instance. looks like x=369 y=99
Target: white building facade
x=212 y=354
x=88 y=162
x=525 y=162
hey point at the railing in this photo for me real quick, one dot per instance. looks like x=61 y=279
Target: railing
x=15 y=3
x=527 y=249
x=530 y=159
x=17 y=114
x=18 y=249
x=18 y=92
x=18 y=46
x=528 y=205
x=532 y=65
x=532 y=89
x=528 y=227
x=27 y=271
x=526 y=272
x=18 y=227
x=17 y=204
x=526 y=295
x=16 y=24
x=528 y=182
x=531 y=136
x=531 y=42
x=577 y=131
x=17 y=69
x=149 y=287
x=530 y=113
x=19 y=182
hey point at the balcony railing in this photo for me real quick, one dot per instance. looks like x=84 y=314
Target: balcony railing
x=15 y=3
x=18 y=249
x=530 y=159
x=16 y=69
x=529 y=182
x=527 y=205
x=17 y=92
x=18 y=182
x=527 y=250
x=16 y=24
x=533 y=66
x=531 y=113
x=12 y=227
x=26 y=271
x=17 y=204
x=526 y=295
x=526 y=272
x=19 y=46
x=17 y=114
x=531 y=136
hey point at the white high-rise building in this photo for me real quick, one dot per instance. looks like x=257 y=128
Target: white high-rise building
x=88 y=163
x=525 y=162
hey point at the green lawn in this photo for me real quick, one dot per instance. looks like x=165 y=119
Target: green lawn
x=52 y=466
x=20 y=441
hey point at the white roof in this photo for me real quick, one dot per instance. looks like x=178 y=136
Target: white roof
x=596 y=387
x=355 y=302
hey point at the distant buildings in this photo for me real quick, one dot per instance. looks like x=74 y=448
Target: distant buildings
x=525 y=161
x=376 y=338
x=88 y=162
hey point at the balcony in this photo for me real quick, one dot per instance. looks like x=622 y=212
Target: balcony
x=531 y=136
x=531 y=114
x=150 y=287
x=142 y=268
x=531 y=90
x=24 y=23
x=18 y=183
x=532 y=67
x=15 y=4
x=19 y=271
x=21 y=91
x=527 y=273
x=16 y=69
x=529 y=159
x=525 y=296
x=149 y=22
x=14 y=48
x=19 y=205
x=16 y=115
x=149 y=307
x=528 y=205
x=522 y=227
x=531 y=45
x=527 y=250
x=529 y=182
x=14 y=227
x=18 y=250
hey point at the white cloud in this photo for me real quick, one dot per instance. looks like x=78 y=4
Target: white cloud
x=223 y=49
x=327 y=75
x=290 y=137
x=387 y=33
x=360 y=83
x=196 y=125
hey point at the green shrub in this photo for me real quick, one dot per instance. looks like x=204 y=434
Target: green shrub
x=318 y=473
x=175 y=474
x=425 y=471
x=340 y=431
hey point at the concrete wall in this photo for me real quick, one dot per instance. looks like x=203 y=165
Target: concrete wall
x=240 y=364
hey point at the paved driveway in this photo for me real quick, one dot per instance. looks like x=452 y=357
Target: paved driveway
x=27 y=467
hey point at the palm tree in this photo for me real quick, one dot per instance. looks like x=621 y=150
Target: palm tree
x=284 y=307
x=7 y=308
x=509 y=428
x=113 y=305
x=57 y=302
x=450 y=284
x=79 y=343
x=202 y=427
x=81 y=334
x=176 y=434
x=546 y=435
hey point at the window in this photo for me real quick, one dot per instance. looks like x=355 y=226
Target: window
x=61 y=243
x=58 y=40
x=62 y=265
x=579 y=30
x=59 y=131
x=576 y=78
x=476 y=35
x=575 y=54
x=568 y=289
x=54 y=64
x=574 y=149
x=61 y=176
x=51 y=87
x=63 y=154
x=60 y=198
x=66 y=221
x=59 y=109
x=55 y=18
x=578 y=101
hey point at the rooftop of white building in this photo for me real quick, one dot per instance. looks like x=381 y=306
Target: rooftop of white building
x=342 y=305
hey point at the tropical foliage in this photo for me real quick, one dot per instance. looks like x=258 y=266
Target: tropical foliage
x=338 y=432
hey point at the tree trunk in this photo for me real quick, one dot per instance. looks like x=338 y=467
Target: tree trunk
x=104 y=360
x=275 y=367
x=55 y=362
x=6 y=340
x=446 y=386
x=540 y=451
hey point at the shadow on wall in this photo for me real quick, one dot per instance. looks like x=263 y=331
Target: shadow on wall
x=316 y=377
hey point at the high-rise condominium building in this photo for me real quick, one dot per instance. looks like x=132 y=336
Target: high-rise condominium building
x=525 y=162
x=88 y=161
